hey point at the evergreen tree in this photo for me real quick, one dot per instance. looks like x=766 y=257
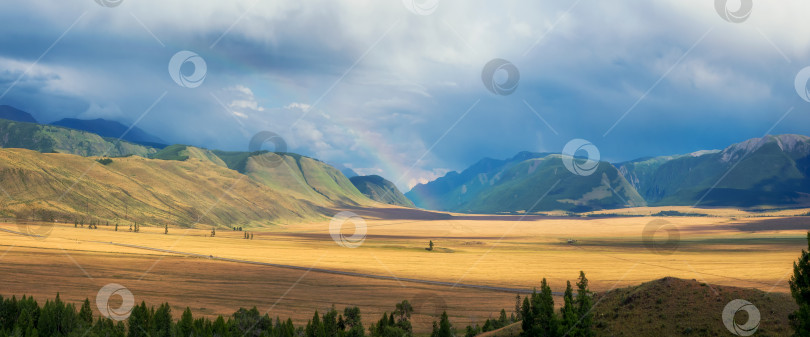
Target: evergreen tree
x=547 y=320
x=528 y=315
x=162 y=322
x=445 y=328
x=584 y=303
x=502 y=319
x=139 y=321
x=86 y=313
x=435 y=332
x=518 y=316
x=185 y=326
x=568 y=313
x=800 y=290
x=166 y=229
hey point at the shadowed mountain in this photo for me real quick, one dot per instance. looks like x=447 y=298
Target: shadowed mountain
x=379 y=189
x=14 y=114
x=528 y=182
x=347 y=171
x=112 y=129
x=772 y=170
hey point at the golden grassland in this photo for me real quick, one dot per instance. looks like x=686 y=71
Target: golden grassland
x=732 y=248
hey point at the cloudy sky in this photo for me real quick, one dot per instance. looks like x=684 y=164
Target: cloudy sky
x=398 y=88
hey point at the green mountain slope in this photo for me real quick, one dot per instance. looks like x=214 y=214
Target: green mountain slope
x=302 y=177
x=528 y=182
x=379 y=189
x=772 y=170
x=49 y=138
x=107 y=128
x=177 y=193
x=184 y=152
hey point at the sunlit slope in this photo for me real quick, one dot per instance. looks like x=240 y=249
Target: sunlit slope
x=296 y=175
x=304 y=178
x=184 y=152
x=49 y=138
x=168 y=191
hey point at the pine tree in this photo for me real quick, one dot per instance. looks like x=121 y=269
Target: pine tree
x=166 y=229
x=517 y=313
x=185 y=326
x=568 y=313
x=584 y=303
x=161 y=325
x=528 y=315
x=116 y=226
x=545 y=320
x=800 y=290
x=445 y=328
x=86 y=313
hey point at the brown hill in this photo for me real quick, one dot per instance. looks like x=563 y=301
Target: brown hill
x=677 y=307
x=177 y=193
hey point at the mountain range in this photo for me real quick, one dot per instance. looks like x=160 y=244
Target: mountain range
x=771 y=171
x=767 y=171
x=526 y=182
x=58 y=173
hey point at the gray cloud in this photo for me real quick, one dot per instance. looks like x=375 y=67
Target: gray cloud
x=383 y=85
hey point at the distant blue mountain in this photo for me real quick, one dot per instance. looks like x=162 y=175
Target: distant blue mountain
x=14 y=114
x=112 y=129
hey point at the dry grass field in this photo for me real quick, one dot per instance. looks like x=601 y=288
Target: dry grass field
x=731 y=247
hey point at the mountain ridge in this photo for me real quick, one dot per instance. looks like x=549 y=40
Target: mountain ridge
x=379 y=189
x=112 y=129
x=769 y=170
x=527 y=182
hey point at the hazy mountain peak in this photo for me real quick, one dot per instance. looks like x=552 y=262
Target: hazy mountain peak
x=700 y=153
x=788 y=143
x=14 y=114
x=792 y=143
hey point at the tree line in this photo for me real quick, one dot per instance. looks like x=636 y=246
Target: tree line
x=25 y=318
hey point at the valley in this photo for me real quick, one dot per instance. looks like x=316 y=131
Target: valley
x=729 y=248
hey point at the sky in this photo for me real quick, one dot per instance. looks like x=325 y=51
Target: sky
x=413 y=89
